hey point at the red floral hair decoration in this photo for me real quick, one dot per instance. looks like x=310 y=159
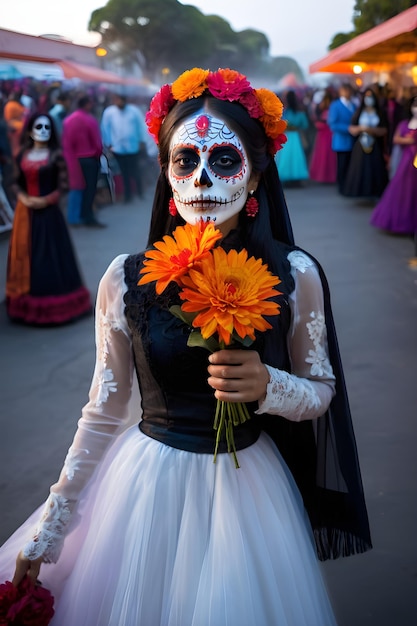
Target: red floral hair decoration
x=225 y=84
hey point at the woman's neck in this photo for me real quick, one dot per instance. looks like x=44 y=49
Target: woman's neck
x=40 y=145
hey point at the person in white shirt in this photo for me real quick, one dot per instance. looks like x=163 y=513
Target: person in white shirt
x=123 y=132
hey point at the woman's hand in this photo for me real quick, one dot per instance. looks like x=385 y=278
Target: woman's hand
x=355 y=130
x=238 y=375
x=33 y=202
x=23 y=197
x=26 y=566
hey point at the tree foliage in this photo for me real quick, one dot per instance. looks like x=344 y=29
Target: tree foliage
x=369 y=13
x=165 y=34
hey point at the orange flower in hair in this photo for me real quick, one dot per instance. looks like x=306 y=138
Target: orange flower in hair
x=191 y=84
x=272 y=117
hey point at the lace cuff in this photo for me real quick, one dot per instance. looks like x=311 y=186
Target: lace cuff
x=294 y=398
x=49 y=536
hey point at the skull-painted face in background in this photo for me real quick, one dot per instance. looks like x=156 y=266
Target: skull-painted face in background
x=209 y=170
x=41 y=129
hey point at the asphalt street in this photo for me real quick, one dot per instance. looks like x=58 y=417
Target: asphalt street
x=45 y=376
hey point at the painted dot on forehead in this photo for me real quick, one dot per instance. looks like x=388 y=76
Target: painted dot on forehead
x=202 y=125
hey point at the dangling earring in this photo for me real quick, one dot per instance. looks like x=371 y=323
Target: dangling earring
x=172 y=207
x=252 y=205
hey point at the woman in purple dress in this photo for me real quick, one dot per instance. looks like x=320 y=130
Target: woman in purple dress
x=396 y=211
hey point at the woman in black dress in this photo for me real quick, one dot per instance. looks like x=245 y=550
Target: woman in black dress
x=44 y=286
x=367 y=175
x=143 y=527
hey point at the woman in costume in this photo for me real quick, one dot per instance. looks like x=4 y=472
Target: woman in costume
x=155 y=531
x=44 y=286
x=396 y=211
x=292 y=162
x=367 y=175
x=323 y=162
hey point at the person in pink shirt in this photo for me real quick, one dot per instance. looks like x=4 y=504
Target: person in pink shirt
x=82 y=147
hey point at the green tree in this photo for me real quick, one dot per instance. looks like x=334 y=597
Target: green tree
x=369 y=13
x=160 y=34
x=155 y=34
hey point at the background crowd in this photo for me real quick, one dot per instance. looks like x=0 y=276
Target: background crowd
x=364 y=141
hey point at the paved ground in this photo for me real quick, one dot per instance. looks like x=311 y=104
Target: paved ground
x=46 y=375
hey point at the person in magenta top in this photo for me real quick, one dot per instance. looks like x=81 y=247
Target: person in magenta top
x=82 y=146
x=323 y=163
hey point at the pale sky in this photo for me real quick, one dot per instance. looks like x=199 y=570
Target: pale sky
x=301 y=29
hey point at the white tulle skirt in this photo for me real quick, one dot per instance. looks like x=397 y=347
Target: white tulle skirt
x=168 y=538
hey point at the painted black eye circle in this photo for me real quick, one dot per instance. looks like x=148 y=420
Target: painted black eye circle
x=226 y=160
x=40 y=126
x=184 y=161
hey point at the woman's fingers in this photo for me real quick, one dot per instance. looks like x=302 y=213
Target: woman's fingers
x=26 y=567
x=237 y=375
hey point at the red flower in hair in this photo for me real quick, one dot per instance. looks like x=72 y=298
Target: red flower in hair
x=161 y=104
x=277 y=143
x=228 y=84
x=251 y=104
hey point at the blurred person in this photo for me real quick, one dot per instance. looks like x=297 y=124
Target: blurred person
x=124 y=135
x=15 y=113
x=6 y=162
x=6 y=166
x=396 y=210
x=60 y=110
x=43 y=284
x=82 y=146
x=367 y=175
x=339 y=119
x=395 y=112
x=292 y=161
x=323 y=162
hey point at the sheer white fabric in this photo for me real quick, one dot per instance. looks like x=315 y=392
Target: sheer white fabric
x=304 y=394
x=103 y=418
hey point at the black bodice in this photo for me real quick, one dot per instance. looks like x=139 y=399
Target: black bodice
x=177 y=402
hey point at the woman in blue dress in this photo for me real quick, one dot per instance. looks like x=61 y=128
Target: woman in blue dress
x=292 y=160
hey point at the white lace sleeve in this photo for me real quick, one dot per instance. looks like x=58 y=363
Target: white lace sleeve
x=104 y=416
x=307 y=391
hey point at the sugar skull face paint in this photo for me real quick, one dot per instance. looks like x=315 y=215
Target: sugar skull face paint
x=41 y=129
x=209 y=170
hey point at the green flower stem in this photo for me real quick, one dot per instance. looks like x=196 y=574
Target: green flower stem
x=227 y=416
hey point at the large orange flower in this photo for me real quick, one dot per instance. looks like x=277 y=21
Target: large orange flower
x=191 y=84
x=229 y=292
x=273 y=108
x=174 y=256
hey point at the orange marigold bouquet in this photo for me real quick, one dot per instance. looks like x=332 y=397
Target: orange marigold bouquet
x=225 y=298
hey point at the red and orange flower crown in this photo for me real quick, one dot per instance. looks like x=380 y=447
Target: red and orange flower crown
x=225 y=84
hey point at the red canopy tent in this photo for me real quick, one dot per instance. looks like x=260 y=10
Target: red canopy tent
x=90 y=74
x=392 y=43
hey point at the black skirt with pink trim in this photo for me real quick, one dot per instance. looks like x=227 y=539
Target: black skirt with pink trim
x=57 y=294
